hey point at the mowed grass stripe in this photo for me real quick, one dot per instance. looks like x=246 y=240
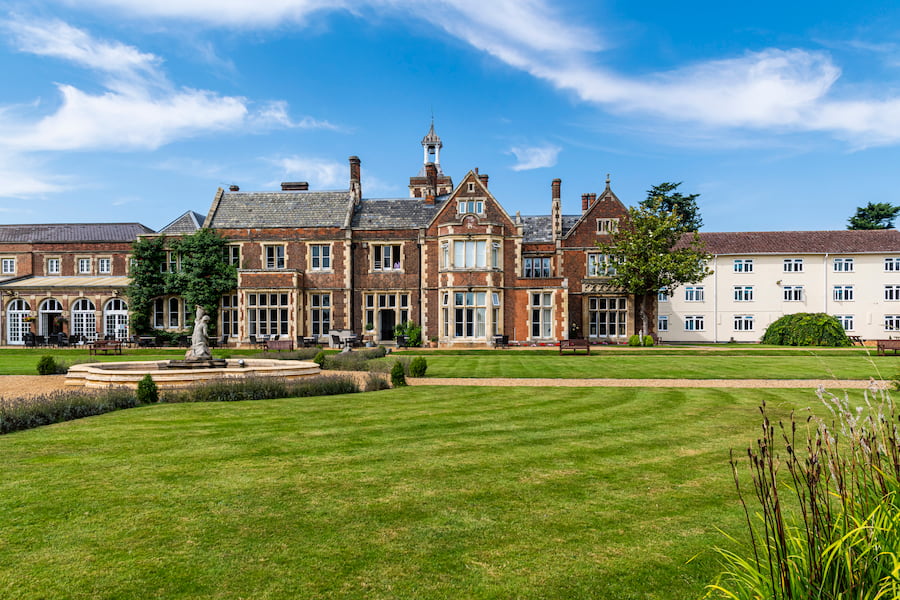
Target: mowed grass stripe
x=439 y=493
x=650 y=366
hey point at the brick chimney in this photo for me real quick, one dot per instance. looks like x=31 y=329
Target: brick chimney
x=234 y=188
x=592 y=199
x=484 y=179
x=585 y=202
x=294 y=186
x=355 y=179
x=555 y=186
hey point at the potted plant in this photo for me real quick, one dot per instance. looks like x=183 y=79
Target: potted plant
x=433 y=341
x=60 y=322
x=369 y=337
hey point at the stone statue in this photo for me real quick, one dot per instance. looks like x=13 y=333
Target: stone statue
x=200 y=338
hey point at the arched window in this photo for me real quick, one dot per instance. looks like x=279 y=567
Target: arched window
x=115 y=319
x=16 y=326
x=48 y=312
x=84 y=319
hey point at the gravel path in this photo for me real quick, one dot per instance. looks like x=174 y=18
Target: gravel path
x=19 y=386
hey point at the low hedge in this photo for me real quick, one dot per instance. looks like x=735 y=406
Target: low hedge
x=806 y=329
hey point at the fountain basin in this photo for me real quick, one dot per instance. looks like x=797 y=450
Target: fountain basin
x=128 y=374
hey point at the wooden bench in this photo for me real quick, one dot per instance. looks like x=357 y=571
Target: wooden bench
x=856 y=340
x=105 y=347
x=280 y=345
x=574 y=346
x=885 y=345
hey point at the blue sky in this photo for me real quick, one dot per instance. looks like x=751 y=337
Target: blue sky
x=782 y=115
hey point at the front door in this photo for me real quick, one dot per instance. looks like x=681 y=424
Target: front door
x=388 y=320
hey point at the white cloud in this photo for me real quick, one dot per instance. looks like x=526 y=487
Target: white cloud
x=319 y=173
x=535 y=157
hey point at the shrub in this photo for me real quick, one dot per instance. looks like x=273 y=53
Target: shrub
x=147 y=391
x=634 y=340
x=412 y=332
x=47 y=366
x=418 y=366
x=298 y=354
x=372 y=353
x=648 y=340
x=346 y=361
x=319 y=359
x=806 y=329
x=26 y=413
x=398 y=375
x=376 y=382
x=842 y=542
x=262 y=388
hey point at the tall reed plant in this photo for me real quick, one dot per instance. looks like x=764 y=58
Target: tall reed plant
x=826 y=494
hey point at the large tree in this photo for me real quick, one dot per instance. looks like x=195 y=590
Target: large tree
x=147 y=280
x=665 y=197
x=651 y=252
x=874 y=215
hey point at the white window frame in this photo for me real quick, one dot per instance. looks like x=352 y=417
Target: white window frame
x=663 y=295
x=82 y=262
x=320 y=257
x=793 y=265
x=275 y=256
x=842 y=293
x=743 y=265
x=892 y=264
x=540 y=311
x=792 y=293
x=892 y=322
x=743 y=293
x=662 y=323
x=380 y=252
x=607 y=225
x=843 y=265
x=268 y=313
x=54 y=262
x=104 y=262
x=473 y=206
x=8 y=266
x=891 y=293
x=694 y=323
x=233 y=254
x=601 y=265
x=320 y=314
x=537 y=267
x=693 y=293
x=846 y=321
x=463 y=250
x=744 y=323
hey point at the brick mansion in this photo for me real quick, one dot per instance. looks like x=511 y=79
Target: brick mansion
x=449 y=257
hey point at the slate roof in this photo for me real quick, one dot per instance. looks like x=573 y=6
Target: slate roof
x=539 y=228
x=395 y=213
x=803 y=242
x=281 y=209
x=72 y=232
x=187 y=223
x=51 y=281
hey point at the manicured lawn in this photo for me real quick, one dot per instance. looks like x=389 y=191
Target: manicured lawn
x=408 y=493
x=697 y=365
x=23 y=361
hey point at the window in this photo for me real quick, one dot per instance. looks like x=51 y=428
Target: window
x=274 y=257
x=469 y=254
x=471 y=186
x=793 y=293
x=53 y=266
x=607 y=225
x=607 y=317
x=471 y=206
x=892 y=322
x=115 y=319
x=171 y=262
x=843 y=293
x=693 y=323
x=662 y=323
x=267 y=314
x=793 y=265
x=104 y=266
x=387 y=258
x=541 y=314
x=743 y=322
x=229 y=314
x=84 y=319
x=892 y=264
x=743 y=293
x=469 y=314
x=174 y=312
x=601 y=265
x=320 y=257
x=892 y=292
x=846 y=321
x=843 y=265
x=743 y=265
x=663 y=295
x=8 y=266
x=445 y=255
x=84 y=265
x=537 y=267
x=693 y=293
x=233 y=255
x=320 y=313
x=159 y=312
x=495 y=255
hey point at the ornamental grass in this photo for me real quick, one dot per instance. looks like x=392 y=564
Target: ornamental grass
x=828 y=528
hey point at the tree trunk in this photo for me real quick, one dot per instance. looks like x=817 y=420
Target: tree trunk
x=645 y=321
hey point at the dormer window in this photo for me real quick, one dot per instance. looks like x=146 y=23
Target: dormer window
x=471 y=206
x=607 y=225
x=471 y=187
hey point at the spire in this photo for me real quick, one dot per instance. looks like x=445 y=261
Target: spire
x=431 y=145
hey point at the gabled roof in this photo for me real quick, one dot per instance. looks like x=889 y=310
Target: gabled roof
x=395 y=213
x=802 y=242
x=238 y=210
x=187 y=223
x=539 y=228
x=72 y=232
